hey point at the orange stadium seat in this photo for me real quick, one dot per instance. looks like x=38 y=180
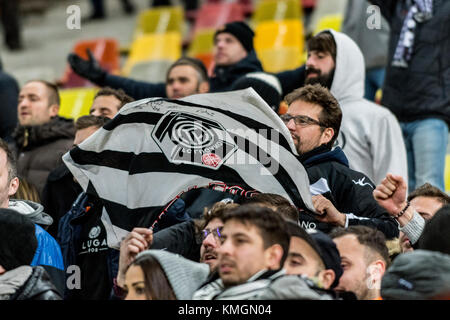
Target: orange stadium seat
x=105 y=50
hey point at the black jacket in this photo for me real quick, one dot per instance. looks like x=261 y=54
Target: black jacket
x=349 y=191
x=224 y=76
x=222 y=81
x=9 y=91
x=29 y=283
x=423 y=89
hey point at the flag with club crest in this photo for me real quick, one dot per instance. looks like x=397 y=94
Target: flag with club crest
x=154 y=149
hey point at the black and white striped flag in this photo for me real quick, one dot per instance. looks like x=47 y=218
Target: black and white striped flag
x=156 y=148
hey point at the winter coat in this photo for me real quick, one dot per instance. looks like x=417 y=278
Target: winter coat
x=27 y=283
x=9 y=91
x=422 y=90
x=370 y=135
x=48 y=252
x=40 y=149
x=264 y=285
x=349 y=191
x=222 y=81
x=60 y=191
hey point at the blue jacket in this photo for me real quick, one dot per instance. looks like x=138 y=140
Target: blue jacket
x=48 y=254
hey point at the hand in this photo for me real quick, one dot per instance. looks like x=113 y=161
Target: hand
x=89 y=69
x=391 y=194
x=138 y=240
x=329 y=212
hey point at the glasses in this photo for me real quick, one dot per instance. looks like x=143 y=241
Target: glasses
x=300 y=120
x=217 y=233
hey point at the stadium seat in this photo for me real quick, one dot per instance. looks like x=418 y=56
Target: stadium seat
x=447 y=173
x=269 y=10
x=105 y=50
x=333 y=21
x=279 y=44
x=160 y=20
x=76 y=102
x=202 y=43
x=214 y=15
x=152 y=47
x=150 y=71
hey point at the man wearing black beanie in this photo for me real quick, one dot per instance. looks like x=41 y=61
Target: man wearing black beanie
x=234 y=57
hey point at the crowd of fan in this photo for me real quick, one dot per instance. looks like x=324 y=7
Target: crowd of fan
x=382 y=216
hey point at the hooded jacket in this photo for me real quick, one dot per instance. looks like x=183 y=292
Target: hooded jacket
x=9 y=91
x=40 y=149
x=349 y=191
x=370 y=135
x=48 y=253
x=422 y=90
x=27 y=283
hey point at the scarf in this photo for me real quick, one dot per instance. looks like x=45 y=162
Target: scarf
x=419 y=11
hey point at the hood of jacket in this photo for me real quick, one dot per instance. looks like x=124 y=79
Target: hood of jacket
x=34 y=211
x=12 y=280
x=224 y=76
x=349 y=73
x=324 y=154
x=28 y=137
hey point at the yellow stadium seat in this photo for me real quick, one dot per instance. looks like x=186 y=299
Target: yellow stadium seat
x=269 y=10
x=447 y=173
x=152 y=47
x=202 y=43
x=279 y=44
x=332 y=21
x=76 y=102
x=160 y=20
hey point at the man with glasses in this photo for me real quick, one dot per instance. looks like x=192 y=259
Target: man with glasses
x=341 y=196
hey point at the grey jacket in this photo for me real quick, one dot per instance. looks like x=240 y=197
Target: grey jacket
x=370 y=135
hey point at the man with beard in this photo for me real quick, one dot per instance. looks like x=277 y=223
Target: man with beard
x=339 y=196
x=370 y=135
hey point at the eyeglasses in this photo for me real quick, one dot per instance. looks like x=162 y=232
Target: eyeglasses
x=300 y=120
x=217 y=233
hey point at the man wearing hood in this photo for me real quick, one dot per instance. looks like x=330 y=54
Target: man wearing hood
x=42 y=137
x=234 y=57
x=48 y=253
x=370 y=135
x=314 y=120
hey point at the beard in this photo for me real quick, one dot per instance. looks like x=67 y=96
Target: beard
x=325 y=80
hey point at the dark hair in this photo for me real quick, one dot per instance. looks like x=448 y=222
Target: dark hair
x=323 y=42
x=53 y=92
x=331 y=114
x=435 y=235
x=119 y=94
x=216 y=212
x=194 y=63
x=371 y=238
x=294 y=230
x=271 y=226
x=157 y=286
x=90 y=121
x=279 y=203
x=10 y=160
x=428 y=190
